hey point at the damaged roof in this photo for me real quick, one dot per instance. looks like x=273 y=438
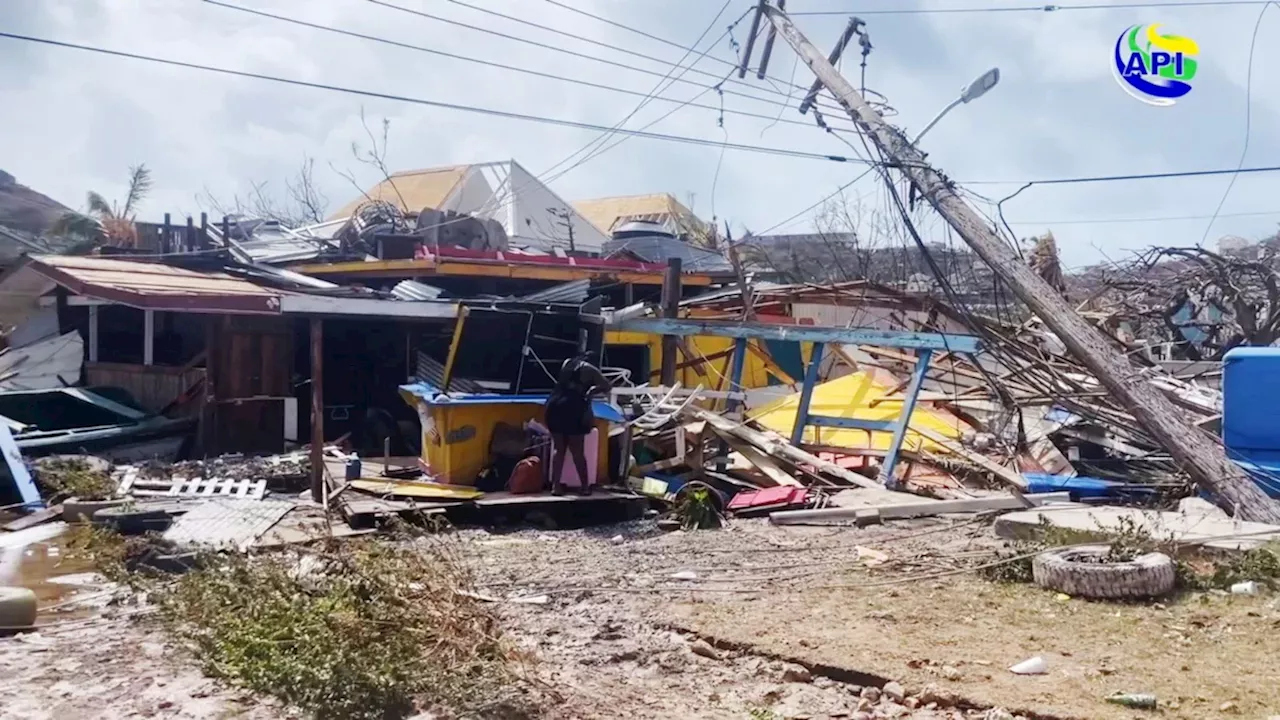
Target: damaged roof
x=155 y=286
x=411 y=190
x=604 y=213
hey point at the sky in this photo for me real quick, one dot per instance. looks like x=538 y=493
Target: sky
x=72 y=121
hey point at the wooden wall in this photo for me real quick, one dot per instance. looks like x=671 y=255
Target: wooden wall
x=250 y=362
x=153 y=386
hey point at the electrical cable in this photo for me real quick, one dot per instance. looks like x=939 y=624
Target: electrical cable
x=1248 y=122
x=501 y=66
x=1155 y=219
x=1038 y=8
x=578 y=37
x=420 y=101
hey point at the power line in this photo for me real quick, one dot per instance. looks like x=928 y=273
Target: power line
x=1122 y=178
x=1248 y=121
x=1154 y=219
x=1034 y=8
x=581 y=38
x=593 y=150
x=766 y=150
x=573 y=53
x=490 y=63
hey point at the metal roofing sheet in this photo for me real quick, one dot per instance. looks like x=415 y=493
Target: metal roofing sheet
x=660 y=249
x=156 y=286
x=573 y=292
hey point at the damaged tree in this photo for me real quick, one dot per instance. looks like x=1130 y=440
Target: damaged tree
x=1197 y=452
x=1204 y=302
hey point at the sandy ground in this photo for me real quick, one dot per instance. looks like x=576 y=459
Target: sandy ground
x=752 y=623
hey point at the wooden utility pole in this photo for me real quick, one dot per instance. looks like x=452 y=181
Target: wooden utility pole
x=671 y=310
x=317 y=410
x=1197 y=452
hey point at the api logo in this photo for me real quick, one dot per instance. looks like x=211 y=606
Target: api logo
x=1156 y=69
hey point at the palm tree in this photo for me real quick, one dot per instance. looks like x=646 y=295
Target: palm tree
x=105 y=222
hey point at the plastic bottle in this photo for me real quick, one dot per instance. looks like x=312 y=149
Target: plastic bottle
x=1144 y=701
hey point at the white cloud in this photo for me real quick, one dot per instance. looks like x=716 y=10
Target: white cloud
x=74 y=121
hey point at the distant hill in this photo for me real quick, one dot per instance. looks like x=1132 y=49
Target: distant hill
x=24 y=209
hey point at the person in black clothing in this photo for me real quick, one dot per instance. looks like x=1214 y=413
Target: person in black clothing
x=570 y=419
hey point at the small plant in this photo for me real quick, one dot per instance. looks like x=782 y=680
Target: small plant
x=365 y=629
x=120 y=559
x=764 y=714
x=696 y=510
x=65 y=478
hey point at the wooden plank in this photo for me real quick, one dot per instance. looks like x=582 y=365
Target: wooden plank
x=780 y=448
x=1008 y=475
x=760 y=461
x=918 y=509
x=38 y=517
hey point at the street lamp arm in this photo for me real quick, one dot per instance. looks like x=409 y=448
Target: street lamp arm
x=936 y=118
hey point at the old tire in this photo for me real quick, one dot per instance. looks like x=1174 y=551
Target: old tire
x=17 y=608
x=82 y=511
x=1067 y=571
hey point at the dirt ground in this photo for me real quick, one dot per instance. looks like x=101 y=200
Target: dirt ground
x=752 y=622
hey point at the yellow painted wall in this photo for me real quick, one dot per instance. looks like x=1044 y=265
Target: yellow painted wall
x=754 y=373
x=458 y=463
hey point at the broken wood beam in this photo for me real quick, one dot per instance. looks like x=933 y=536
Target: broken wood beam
x=902 y=511
x=780 y=448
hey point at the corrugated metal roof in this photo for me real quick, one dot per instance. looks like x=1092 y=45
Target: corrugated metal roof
x=660 y=249
x=573 y=292
x=411 y=190
x=604 y=213
x=414 y=290
x=156 y=286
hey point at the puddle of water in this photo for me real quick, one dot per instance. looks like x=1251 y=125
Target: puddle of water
x=35 y=558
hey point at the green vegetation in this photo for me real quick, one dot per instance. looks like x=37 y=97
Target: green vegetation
x=64 y=478
x=346 y=631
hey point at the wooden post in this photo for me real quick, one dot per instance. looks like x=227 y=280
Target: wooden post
x=164 y=236
x=317 y=410
x=670 y=310
x=189 y=242
x=93 y=333
x=204 y=232
x=1195 y=451
x=148 y=337
x=226 y=231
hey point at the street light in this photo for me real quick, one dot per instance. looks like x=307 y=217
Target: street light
x=973 y=91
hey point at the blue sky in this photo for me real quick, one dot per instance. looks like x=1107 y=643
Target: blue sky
x=74 y=122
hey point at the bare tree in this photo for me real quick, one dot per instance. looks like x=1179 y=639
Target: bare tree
x=374 y=156
x=301 y=204
x=1204 y=302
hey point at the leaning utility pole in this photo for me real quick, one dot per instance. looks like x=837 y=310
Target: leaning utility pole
x=1196 y=451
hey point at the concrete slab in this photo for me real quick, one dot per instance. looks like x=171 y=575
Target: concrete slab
x=871 y=497
x=1207 y=528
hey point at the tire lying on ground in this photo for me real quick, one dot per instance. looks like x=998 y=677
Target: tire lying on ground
x=1083 y=572
x=17 y=608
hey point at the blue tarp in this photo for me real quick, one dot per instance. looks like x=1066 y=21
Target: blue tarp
x=1083 y=487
